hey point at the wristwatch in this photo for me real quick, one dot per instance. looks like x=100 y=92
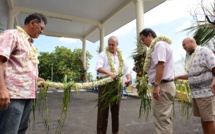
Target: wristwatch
x=156 y=84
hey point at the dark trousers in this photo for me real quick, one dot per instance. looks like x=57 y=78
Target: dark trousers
x=15 y=119
x=102 y=117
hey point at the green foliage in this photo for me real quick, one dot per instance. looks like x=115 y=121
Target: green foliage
x=64 y=62
x=184 y=88
x=41 y=103
x=145 y=95
x=111 y=93
x=203 y=32
x=139 y=56
x=66 y=100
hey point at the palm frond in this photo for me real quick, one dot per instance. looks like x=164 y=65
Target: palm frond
x=203 y=32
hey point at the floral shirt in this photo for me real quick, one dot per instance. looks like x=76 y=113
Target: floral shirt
x=20 y=69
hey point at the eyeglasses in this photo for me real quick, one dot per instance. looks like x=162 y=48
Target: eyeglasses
x=141 y=41
x=39 y=25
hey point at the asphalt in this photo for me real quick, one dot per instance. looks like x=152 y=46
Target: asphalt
x=82 y=115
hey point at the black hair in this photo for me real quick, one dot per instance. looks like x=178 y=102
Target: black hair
x=148 y=31
x=38 y=17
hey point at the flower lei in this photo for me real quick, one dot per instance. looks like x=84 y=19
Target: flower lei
x=189 y=59
x=32 y=50
x=78 y=86
x=100 y=82
x=147 y=62
x=110 y=60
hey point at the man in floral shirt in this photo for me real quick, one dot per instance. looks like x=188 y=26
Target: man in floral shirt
x=18 y=74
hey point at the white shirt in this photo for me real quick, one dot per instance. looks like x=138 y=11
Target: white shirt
x=162 y=52
x=102 y=61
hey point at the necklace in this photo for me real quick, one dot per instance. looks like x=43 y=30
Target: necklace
x=189 y=61
x=110 y=60
x=32 y=50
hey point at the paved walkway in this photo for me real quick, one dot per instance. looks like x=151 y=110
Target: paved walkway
x=132 y=91
x=82 y=114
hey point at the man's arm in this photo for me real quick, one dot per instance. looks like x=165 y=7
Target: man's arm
x=104 y=71
x=159 y=71
x=184 y=77
x=4 y=93
x=128 y=81
x=159 y=74
x=210 y=61
x=100 y=66
x=128 y=76
x=213 y=83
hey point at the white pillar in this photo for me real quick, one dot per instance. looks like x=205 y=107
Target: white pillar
x=84 y=52
x=139 y=15
x=11 y=19
x=102 y=34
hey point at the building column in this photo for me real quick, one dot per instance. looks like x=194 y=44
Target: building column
x=102 y=34
x=84 y=53
x=139 y=15
x=11 y=19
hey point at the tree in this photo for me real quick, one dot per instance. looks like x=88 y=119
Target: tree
x=63 y=61
x=44 y=66
x=203 y=32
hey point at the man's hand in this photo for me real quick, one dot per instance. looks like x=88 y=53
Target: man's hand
x=41 y=82
x=112 y=75
x=104 y=71
x=156 y=92
x=4 y=98
x=175 y=78
x=183 y=77
x=4 y=93
x=127 y=83
x=213 y=86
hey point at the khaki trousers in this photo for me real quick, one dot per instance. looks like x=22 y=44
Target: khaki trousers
x=204 y=108
x=102 y=116
x=162 y=109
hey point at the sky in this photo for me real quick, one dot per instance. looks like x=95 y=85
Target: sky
x=168 y=19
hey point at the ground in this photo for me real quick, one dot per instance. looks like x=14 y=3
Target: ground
x=82 y=115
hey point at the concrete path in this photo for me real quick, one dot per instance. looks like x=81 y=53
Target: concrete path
x=82 y=116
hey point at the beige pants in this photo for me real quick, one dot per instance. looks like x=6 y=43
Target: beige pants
x=162 y=109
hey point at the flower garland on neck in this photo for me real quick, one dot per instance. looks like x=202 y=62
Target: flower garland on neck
x=189 y=60
x=110 y=60
x=147 y=62
x=32 y=50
